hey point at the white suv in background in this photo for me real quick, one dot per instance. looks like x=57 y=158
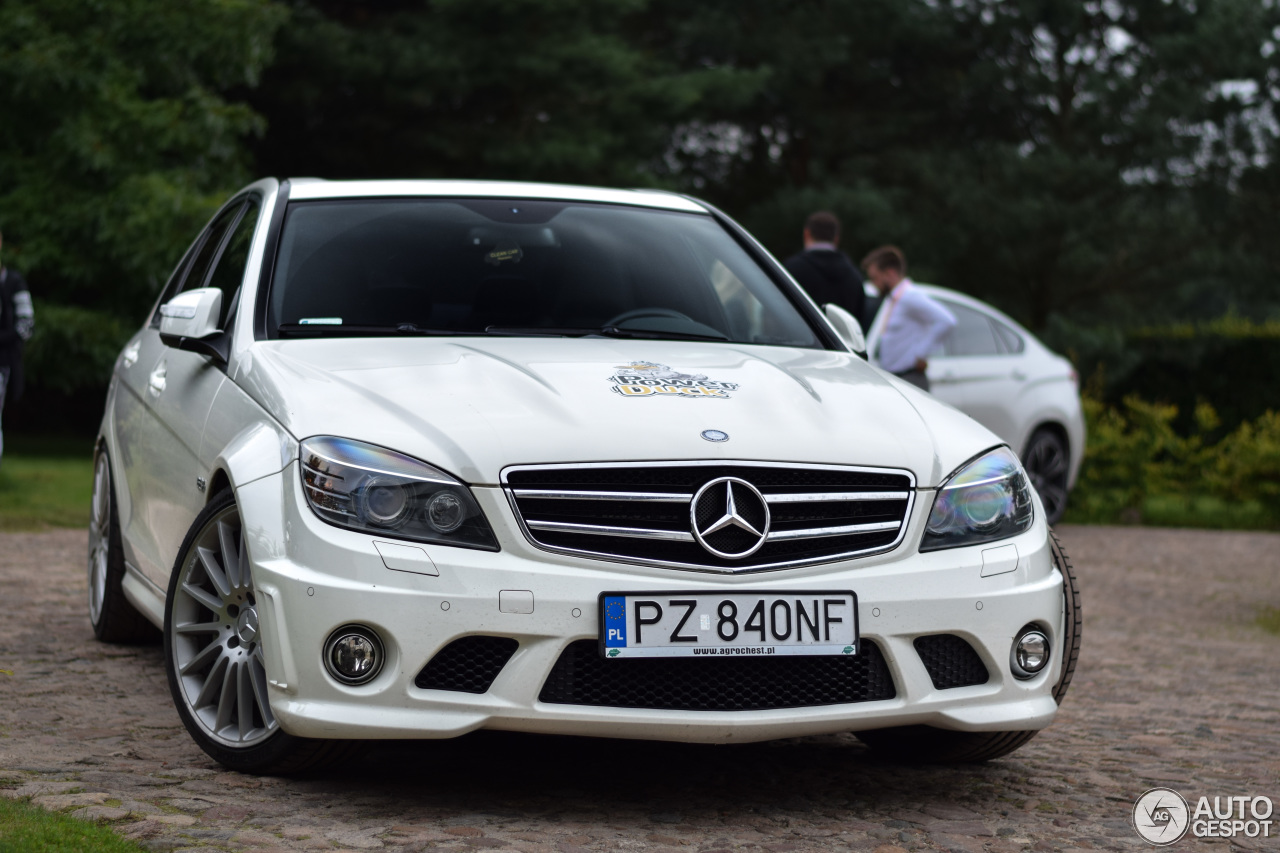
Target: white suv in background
x=997 y=373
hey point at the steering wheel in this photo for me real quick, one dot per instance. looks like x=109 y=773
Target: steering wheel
x=640 y=313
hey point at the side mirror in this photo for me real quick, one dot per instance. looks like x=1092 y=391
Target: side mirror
x=847 y=327
x=189 y=322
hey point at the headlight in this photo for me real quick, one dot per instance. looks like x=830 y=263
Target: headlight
x=987 y=499
x=362 y=487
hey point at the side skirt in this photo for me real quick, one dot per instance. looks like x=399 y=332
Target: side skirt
x=143 y=594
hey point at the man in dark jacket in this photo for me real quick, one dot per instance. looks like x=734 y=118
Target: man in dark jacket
x=17 y=320
x=824 y=271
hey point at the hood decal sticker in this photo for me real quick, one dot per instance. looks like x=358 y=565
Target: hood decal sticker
x=651 y=379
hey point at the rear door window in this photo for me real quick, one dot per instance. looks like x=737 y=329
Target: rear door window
x=972 y=335
x=1009 y=339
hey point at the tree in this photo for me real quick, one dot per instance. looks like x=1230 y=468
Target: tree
x=519 y=89
x=119 y=138
x=1054 y=156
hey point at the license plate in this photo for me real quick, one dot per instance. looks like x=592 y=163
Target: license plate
x=726 y=624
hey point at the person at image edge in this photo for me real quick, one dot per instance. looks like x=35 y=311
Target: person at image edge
x=17 y=320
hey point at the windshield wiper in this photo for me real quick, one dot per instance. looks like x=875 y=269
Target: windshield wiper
x=319 y=330
x=602 y=331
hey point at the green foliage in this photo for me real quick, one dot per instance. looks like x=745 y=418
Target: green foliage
x=1137 y=467
x=118 y=139
x=1051 y=156
x=515 y=89
x=25 y=828
x=1231 y=362
x=73 y=349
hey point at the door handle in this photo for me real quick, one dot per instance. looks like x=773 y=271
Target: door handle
x=155 y=382
x=130 y=355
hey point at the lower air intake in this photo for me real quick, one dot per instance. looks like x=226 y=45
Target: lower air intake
x=951 y=661
x=468 y=665
x=582 y=677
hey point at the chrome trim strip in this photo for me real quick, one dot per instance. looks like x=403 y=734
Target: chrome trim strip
x=625 y=560
x=827 y=497
x=819 y=532
x=644 y=497
x=705 y=463
x=604 y=530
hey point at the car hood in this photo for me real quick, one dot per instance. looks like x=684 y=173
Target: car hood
x=473 y=406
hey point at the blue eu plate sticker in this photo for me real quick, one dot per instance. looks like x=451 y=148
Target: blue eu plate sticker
x=615 y=621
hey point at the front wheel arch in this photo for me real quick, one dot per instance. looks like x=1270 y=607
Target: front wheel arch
x=213 y=656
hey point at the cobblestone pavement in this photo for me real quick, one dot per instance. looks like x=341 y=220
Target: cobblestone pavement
x=1177 y=686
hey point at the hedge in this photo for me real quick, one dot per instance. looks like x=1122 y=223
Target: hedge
x=1139 y=468
x=1230 y=363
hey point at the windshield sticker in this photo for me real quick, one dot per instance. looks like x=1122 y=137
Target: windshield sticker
x=651 y=379
x=508 y=250
x=320 y=321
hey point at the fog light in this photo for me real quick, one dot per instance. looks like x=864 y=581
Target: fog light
x=353 y=654
x=1030 y=652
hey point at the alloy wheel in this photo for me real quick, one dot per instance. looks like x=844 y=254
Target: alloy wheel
x=217 y=655
x=99 y=537
x=1047 y=465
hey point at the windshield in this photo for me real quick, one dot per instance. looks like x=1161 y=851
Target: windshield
x=520 y=267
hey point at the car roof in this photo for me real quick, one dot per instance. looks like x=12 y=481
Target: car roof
x=972 y=302
x=306 y=189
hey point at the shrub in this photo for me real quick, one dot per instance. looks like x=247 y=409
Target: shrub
x=73 y=349
x=68 y=364
x=1231 y=363
x=1138 y=467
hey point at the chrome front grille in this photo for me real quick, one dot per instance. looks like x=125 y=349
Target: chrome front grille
x=646 y=512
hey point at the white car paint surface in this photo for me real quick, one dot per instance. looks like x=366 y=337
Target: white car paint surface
x=484 y=410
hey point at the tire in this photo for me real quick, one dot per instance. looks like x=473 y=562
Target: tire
x=928 y=745
x=1048 y=464
x=214 y=660
x=113 y=617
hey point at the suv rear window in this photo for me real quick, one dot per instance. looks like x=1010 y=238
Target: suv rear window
x=494 y=266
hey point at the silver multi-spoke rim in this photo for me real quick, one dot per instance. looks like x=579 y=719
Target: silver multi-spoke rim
x=214 y=637
x=99 y=537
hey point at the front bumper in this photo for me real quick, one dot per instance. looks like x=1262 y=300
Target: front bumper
x=313 y=578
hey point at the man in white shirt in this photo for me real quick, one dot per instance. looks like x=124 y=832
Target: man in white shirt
x=914 y=323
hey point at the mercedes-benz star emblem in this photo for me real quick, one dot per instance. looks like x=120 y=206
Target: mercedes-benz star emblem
x=730 y=518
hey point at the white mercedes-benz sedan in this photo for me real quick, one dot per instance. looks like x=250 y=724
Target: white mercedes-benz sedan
x=408 y=459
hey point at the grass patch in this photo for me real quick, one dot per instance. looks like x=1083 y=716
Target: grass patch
x=45 y=482
x=1269 y=620
x=24 y=827
x=1206 y=511
x=1203 y=511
